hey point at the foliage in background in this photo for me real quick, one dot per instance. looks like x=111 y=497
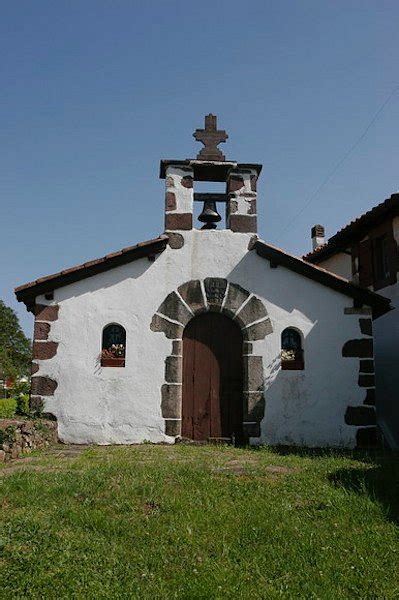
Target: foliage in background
x=15 y=348
x=23 y=405
x=8 y=407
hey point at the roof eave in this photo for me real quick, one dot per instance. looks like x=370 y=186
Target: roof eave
x=28 y=292
x=379 y=304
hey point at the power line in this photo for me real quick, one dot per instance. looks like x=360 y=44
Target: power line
x=340 y=162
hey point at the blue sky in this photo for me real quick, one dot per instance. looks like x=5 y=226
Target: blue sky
x=95 y=93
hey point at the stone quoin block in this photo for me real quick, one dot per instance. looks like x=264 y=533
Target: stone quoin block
x=253 y=373
x=215 y=289
x=360 y=415
x=370 y=398
x=254 y=406
x=366 y=437
x=46 y=313
x=243 y=223
x=253 y=310
x=174 y=308
x=175 y=240
x=169 y=182
x=170 y=201
x=177 y=347
x=366 y=326
x=251 y=429
x=34 y=368
x=254 y=180
x=258 y=331
x=366 y=366
x=173 y=369
x=176 y=221
x=173 y=427
x=192 y=295
x=43 y=386
x=362 y=348
x=362 y=310
x=36 y=404
x=366 y=380
x=252 y=207
x=171 y=401
x=44 y=350
x=236 y=296
x=171 y=330
x=247 y=348
x=235 y=183
x=187 y=181
x=41 y=330
x=232 y=207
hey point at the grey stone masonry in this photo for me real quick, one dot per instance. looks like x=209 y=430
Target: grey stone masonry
x=215 y=294
x=236 y=296
x=174 y=308
x=171 y=401
x=173 y=369
x=215 y=289
x=253 y=310
x=191 y=292
x=171 y=330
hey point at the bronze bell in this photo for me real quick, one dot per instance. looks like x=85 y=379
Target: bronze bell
x=209 y=215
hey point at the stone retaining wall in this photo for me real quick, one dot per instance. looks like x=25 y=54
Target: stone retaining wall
x=21 y=437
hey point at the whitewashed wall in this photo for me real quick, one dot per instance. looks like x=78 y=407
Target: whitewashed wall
x=123 y=405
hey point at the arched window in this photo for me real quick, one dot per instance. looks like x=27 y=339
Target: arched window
x=113 y=346
x=291 y=350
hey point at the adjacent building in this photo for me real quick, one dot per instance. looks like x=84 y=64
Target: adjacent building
x=366 y=253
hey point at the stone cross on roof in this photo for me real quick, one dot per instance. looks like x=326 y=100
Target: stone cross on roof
x=210 y=137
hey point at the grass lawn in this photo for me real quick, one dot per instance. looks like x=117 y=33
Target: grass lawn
x=199 y=522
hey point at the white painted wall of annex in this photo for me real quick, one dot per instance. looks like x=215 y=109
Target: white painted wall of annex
x=123 y=405
x=340 y=264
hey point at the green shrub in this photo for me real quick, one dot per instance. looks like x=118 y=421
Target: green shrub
x=23 y=404
x=8 y=406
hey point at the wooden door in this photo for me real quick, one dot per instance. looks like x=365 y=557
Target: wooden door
x=212 y=378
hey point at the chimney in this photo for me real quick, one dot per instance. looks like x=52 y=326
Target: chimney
x=318 y=236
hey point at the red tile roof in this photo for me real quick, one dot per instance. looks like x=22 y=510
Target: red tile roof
x=356 y=229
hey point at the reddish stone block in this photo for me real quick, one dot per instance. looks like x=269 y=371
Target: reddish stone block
x=41 y=330
x=366 y=437
x=183 y=221
x=170 y=201
x=235 y=183
x=243 y=223
x=362 y=348
x=44 y=350
x=187 y=181
x=46 y=313
x=43 y=386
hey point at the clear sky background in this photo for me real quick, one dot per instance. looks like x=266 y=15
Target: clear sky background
x=94 y=93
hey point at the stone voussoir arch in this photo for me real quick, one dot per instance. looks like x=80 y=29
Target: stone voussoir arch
x=248 y=311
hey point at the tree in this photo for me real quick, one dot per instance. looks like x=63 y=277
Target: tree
x=15 y=348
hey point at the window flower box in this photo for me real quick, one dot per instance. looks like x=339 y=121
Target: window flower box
x=113 y=362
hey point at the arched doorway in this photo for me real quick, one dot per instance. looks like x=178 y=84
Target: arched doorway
x=212 y=402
